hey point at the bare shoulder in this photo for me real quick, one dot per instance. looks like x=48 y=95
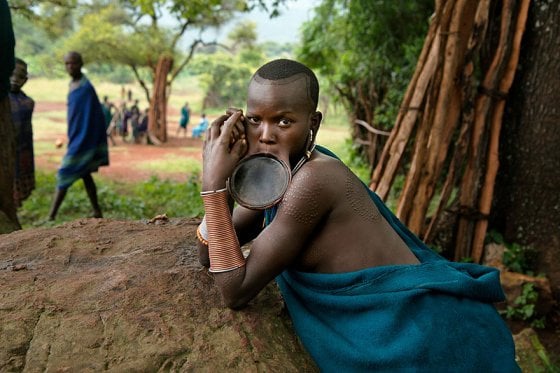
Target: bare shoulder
x=313 y=189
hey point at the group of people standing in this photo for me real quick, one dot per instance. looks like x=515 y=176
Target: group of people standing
x=91 y=123
x=198 y=130
x=118 y=120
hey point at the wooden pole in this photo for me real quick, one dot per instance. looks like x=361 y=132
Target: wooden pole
x=475 y=41
x=447 y=110
x=471 y=176
x=426 y=57
x=492 y=162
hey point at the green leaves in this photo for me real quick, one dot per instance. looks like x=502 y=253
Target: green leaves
x=367 y=51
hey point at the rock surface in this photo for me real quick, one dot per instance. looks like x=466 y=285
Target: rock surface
x=105 y=295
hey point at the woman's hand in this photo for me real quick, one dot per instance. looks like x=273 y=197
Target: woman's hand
x=224 y=146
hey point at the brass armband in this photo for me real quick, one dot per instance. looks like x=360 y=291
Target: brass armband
x=223 y=247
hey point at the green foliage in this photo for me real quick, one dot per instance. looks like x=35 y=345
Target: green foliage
x=367 y=52
x=523 y=307
x=339 y=46
x=118 y=200
x=549 y=366
x=517 y=258
x=243 y=36
x=224 y=76
x=132 y=33
x=223 y=80
x=276 y=50
x=117 y=74
x=520 y=258
x=353 y=160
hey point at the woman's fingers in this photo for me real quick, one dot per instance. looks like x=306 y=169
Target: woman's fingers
x=214 y=130
x=229 y=129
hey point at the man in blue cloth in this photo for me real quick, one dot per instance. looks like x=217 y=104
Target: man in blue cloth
x=364 y=293
x=87 y=139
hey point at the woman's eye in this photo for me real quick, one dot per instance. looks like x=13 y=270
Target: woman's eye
x=285 y=122
x=253 y=120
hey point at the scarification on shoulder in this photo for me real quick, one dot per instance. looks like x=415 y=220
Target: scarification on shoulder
x=359 y=201
x=301 y=201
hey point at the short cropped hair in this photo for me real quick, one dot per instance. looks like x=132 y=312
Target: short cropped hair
x=19 y=61
x=284 y=68
x=75 y=54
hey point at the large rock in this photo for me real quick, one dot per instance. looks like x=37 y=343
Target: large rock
x=96 y=295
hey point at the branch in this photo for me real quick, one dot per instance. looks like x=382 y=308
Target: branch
x=179 y=34
x=141 y=81
x=191 y=53
x=371 y=129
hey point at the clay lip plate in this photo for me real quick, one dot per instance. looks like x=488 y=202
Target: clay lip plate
x=259 y=181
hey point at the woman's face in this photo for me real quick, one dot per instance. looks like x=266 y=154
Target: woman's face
x=279 y=118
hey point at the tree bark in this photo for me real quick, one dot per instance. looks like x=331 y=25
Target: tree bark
x=8 y=217
x=527 y=199
x=157 y=117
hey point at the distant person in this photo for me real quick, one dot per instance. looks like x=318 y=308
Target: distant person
x=22 y=111
x=87 y=138
x=184 y=121
x=107 y=108
x=135 y=120
x=119 y=123
x=8 y=216
x=129 y=94
x=143 y=125
x=198 y=131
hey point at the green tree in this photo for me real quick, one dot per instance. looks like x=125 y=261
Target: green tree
x=223 y=75
x=366 y=50
x=133 y=33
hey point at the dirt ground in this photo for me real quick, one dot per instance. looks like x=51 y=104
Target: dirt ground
x=123 y=155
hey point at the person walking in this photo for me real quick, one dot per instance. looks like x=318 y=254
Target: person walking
x=87 y=138
x=184 y=121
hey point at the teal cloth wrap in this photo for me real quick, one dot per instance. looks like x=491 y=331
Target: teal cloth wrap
x=436 y=316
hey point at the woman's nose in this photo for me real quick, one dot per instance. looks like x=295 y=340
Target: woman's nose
x=267 y=134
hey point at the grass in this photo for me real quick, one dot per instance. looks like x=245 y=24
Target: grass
x=118 y=200
x=172 y=164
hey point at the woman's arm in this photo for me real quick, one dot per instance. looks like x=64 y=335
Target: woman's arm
x=280 y=244
x=248 y=224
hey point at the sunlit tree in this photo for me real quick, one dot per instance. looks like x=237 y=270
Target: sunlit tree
x=141 y=34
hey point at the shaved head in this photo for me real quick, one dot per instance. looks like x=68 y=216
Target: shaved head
x=75 y=56
x=285 y=71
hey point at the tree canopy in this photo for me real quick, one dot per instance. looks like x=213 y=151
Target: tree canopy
x=367 y=51
x=134 y=33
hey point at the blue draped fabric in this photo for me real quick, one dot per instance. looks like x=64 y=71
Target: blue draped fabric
x=87 y=139
x=436 y=316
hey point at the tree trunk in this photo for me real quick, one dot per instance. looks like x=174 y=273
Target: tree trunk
x=527 y=199
x=157 y=117
x=8 y=217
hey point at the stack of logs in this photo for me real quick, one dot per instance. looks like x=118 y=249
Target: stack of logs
x=452 y=110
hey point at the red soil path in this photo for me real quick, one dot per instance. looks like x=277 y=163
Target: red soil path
x=125 y=155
